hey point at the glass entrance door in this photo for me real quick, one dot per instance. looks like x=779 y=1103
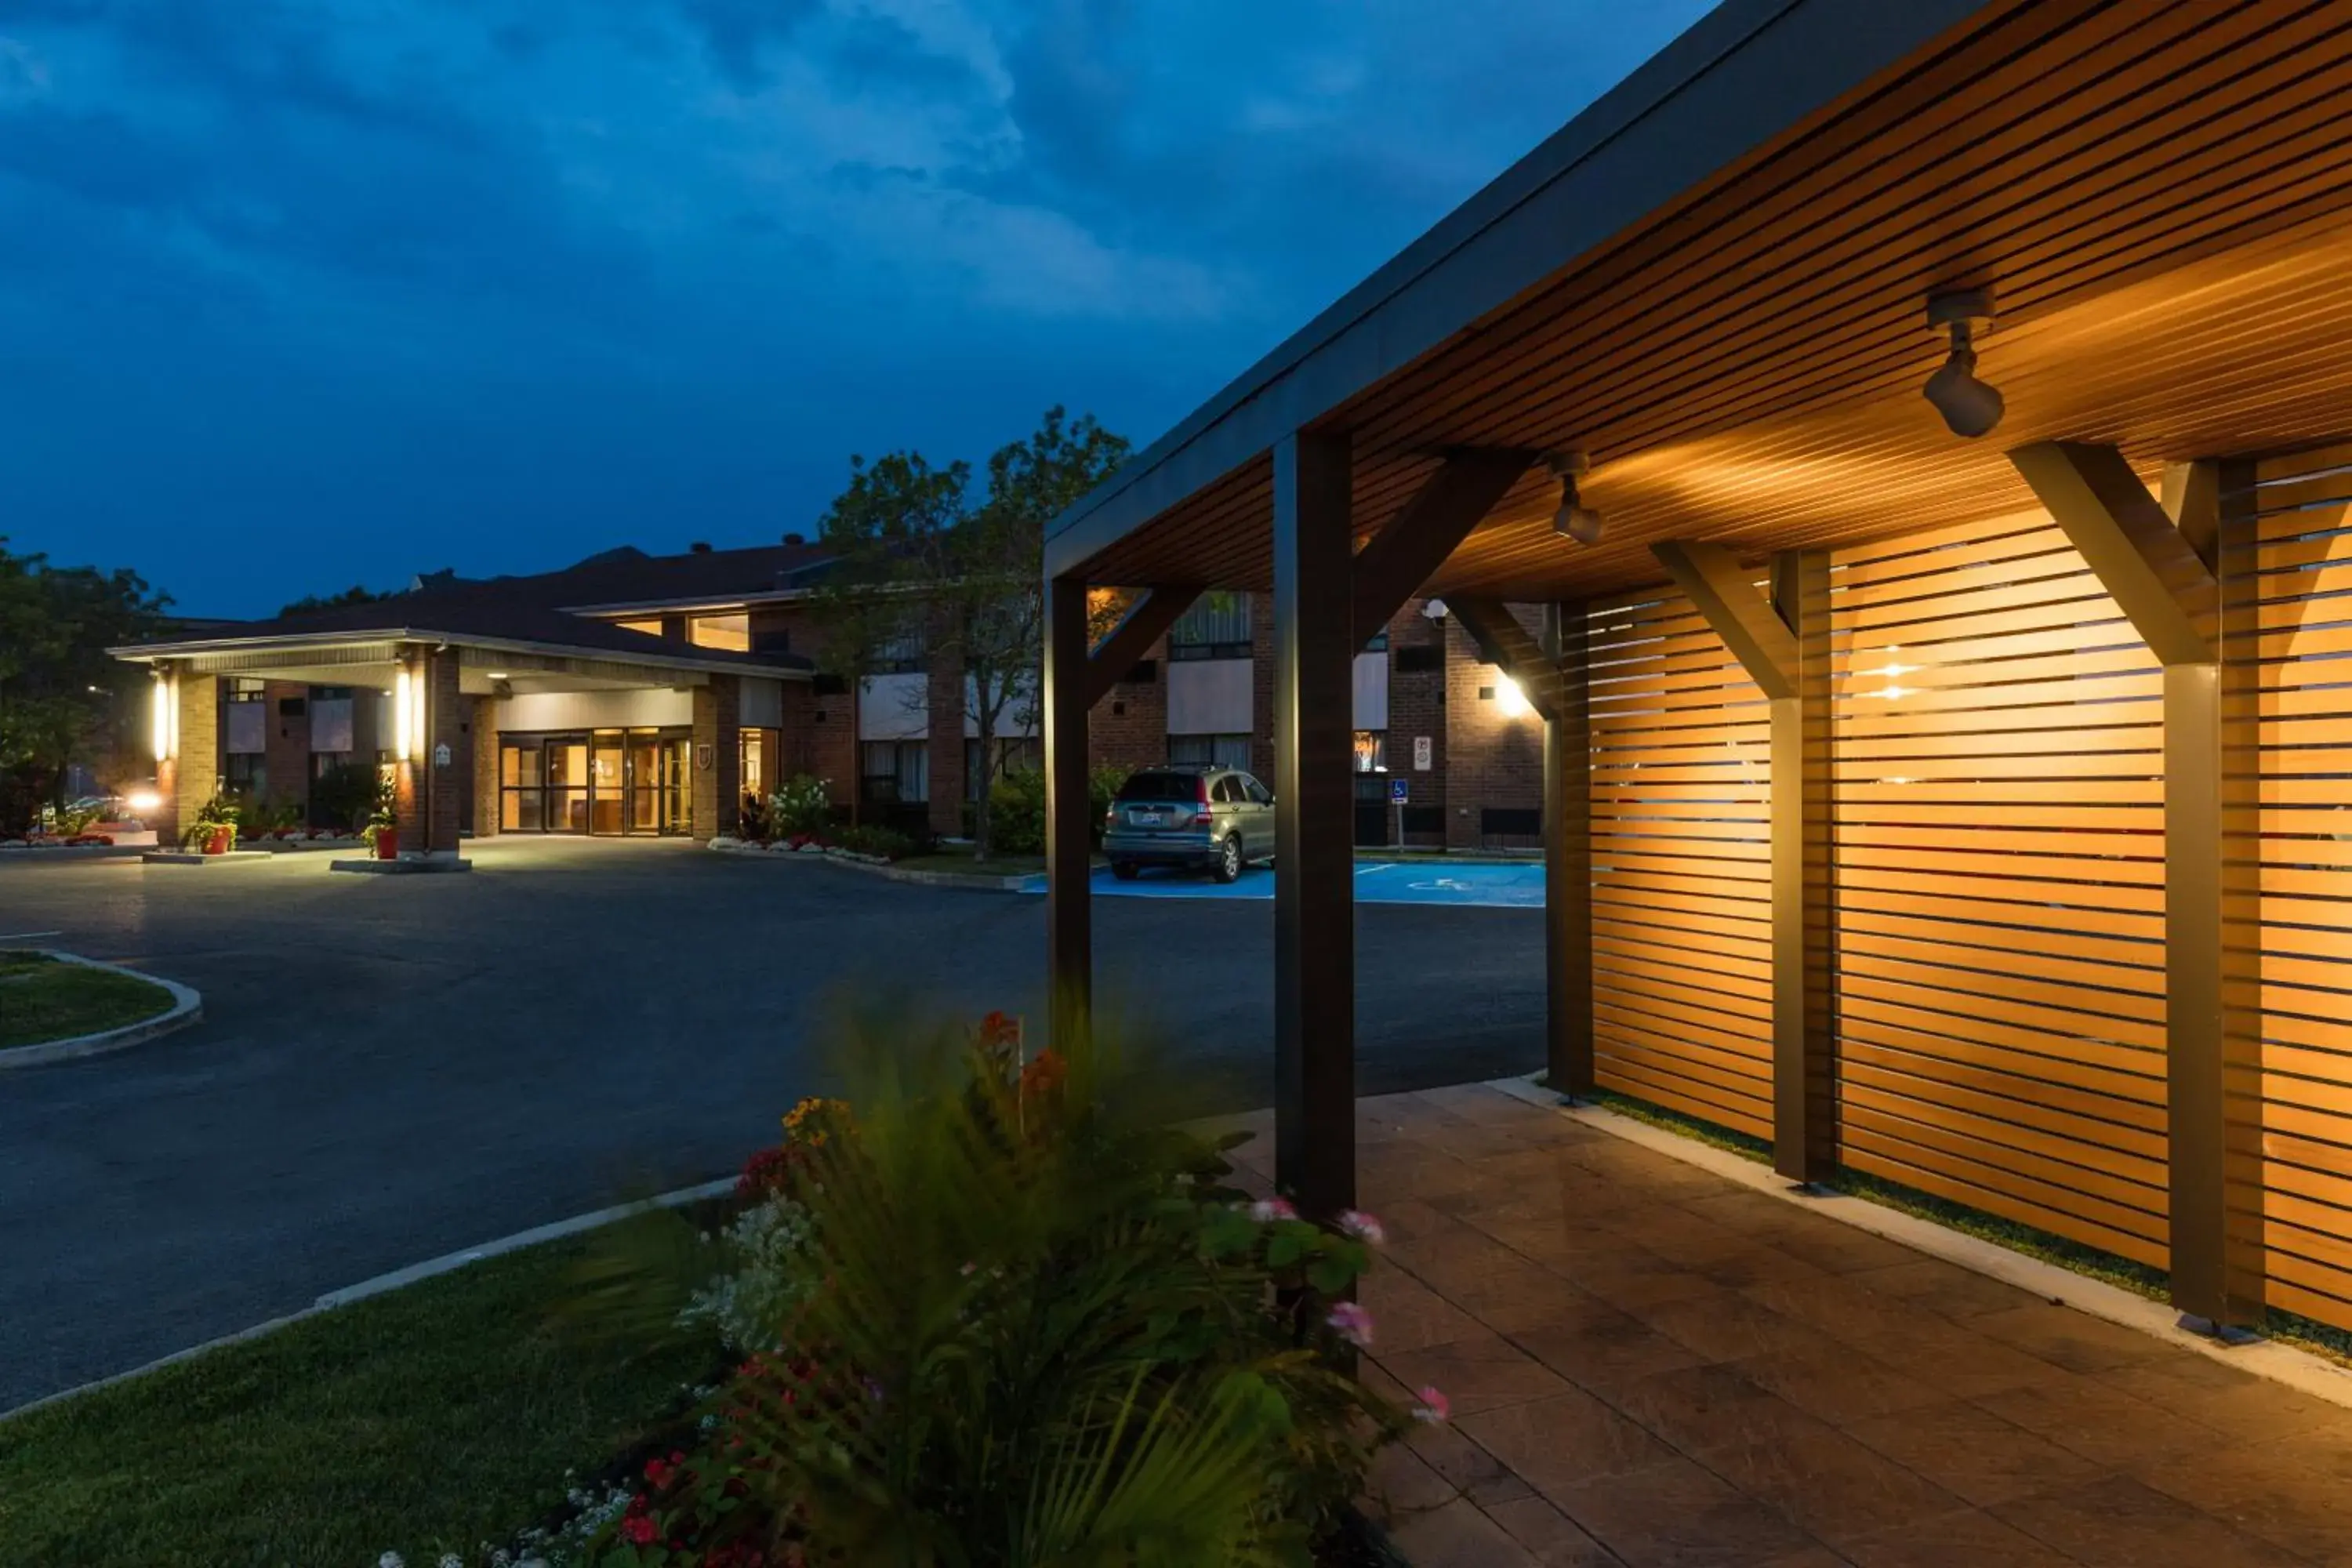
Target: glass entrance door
x=567 y=785
x=608 y=783
x=645 y=783
x=678 y=784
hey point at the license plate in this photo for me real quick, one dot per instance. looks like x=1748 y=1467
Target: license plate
x=1149 y=819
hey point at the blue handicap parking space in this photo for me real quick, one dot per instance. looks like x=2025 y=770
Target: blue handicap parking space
x=1477 y=884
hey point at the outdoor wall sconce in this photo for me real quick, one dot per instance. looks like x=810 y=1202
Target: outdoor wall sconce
x=161 y=718
x=1574 y=520
x=1971 y=407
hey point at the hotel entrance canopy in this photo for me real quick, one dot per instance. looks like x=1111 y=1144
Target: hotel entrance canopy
x=1961 y=811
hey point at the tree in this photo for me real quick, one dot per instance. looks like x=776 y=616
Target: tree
x=60 y=693
x=915 y=559
x=357 y=593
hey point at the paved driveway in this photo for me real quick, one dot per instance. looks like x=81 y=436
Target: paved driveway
x=392 y=1067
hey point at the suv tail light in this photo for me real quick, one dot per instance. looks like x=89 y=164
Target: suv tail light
x=1201 y=785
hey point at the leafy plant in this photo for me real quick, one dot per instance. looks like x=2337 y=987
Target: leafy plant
x=221 y=811
x=343 y=795
x=1033 y=1327
x=803 y=804
x=871 y=838
x=1018 y=802
x=383 y=809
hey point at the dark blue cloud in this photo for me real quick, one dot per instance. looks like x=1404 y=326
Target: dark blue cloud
x=296 y=292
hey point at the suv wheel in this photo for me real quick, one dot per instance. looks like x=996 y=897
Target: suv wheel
x=1124 y=870
x=1229 y=861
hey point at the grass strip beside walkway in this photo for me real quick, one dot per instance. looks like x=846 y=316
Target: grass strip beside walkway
x=43 y=998
x=432 y=1418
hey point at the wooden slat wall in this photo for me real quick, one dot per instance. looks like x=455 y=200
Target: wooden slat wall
x=1997 y=776
x=1680 y=865
x=2303 y=554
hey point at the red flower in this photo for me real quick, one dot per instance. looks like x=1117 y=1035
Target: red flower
x=640 y=1529
x=659 y=1472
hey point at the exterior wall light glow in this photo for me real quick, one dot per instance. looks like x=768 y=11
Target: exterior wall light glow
x=159 y=718
x=403 y=721
x=1574 y=520
x=1969 y=407
x=1509 y=700
x=142 y=800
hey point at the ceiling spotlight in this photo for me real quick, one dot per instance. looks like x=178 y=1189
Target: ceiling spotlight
x=1971 y=407
x=1574 y=520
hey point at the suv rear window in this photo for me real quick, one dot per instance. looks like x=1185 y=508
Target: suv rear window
x=1149 y=786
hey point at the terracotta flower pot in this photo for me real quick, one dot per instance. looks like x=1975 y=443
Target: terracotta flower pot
x=387 y=844
x=223 y=836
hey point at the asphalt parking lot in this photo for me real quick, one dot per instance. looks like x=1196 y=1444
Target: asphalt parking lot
x=394 y=1067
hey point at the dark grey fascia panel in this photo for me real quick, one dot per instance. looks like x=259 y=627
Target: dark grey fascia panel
x=1741 y=76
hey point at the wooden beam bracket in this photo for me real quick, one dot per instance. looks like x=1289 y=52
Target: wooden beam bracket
x=2153 y=569
x=1503 y=642
x=1731 y=604
x=1147 y=619
x=1408 y=551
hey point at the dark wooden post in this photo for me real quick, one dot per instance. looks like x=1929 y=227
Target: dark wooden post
x=2185 y=578
x=1567 y=855
x=1804 y=1031
x=1069 y=837
x=1314 y=879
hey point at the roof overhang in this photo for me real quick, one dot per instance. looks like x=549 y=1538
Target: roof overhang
x=1714 y=280
x=287 y=654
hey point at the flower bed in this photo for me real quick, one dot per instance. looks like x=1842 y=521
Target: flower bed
x=1001 y=1309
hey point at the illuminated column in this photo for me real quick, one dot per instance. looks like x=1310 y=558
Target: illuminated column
x=186 y=736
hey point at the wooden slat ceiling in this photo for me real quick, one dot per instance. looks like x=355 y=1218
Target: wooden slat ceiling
x=2160 y=194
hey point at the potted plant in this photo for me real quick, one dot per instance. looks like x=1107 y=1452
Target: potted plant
x=215 y=829
x=382 y=830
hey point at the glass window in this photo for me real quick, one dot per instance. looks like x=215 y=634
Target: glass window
x=1155 y=783
x=895 y=771
x=731 y=632
x=245 y=774
x=900 y=653
x=1257 y=791
x=1216 y=627
x=1229 y=790
x=1209 y=751
x=1371 y=751
x=649 y=625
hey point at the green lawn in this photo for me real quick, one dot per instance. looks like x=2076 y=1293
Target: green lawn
x=436 y=1417
x=43 y=999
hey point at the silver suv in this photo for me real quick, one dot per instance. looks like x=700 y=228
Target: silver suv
x=1211 y=819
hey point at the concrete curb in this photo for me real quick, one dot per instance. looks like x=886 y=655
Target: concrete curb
x=970 y=881
x=419 y=866
x=2299 y=1370
x=191 y=858
x=187 y=1007
x=443 y=1264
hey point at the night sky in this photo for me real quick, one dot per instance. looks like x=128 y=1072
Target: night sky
x=297 y=295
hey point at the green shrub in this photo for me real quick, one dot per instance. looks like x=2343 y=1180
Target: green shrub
x=342 y=795
x=1030 y=1326
x=1017 y=807
x=873 y=839
x=803 y=804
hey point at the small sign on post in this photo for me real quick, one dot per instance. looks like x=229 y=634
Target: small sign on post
x=1420 y=754
x=441 y=755
x=1400 y=791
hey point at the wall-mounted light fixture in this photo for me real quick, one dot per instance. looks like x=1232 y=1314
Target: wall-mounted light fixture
x=1509 y=700
x=404 y=713
x=1574 y=520
x=162 y=717
x=1971 y=407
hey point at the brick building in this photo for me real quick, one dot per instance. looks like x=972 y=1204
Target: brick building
x=617 y=730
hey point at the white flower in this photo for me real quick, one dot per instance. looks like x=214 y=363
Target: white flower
x=451 y=1560
x=1364 y=1227
x=391 y=1560
x=1268 y=1210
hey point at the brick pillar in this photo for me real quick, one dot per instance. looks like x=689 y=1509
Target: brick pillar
x=943 y=713
x=192 y=775
x=718 y=737
x=287 y=761
x=487 y=799
x=447 y=778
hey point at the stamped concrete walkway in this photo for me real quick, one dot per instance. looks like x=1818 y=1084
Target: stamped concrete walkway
x=1650 y=1365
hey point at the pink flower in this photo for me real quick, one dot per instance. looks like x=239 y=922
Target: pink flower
x=1354 y=1322
x=1364 y=1227
x=1268 y=1210
x=1435 y=1408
